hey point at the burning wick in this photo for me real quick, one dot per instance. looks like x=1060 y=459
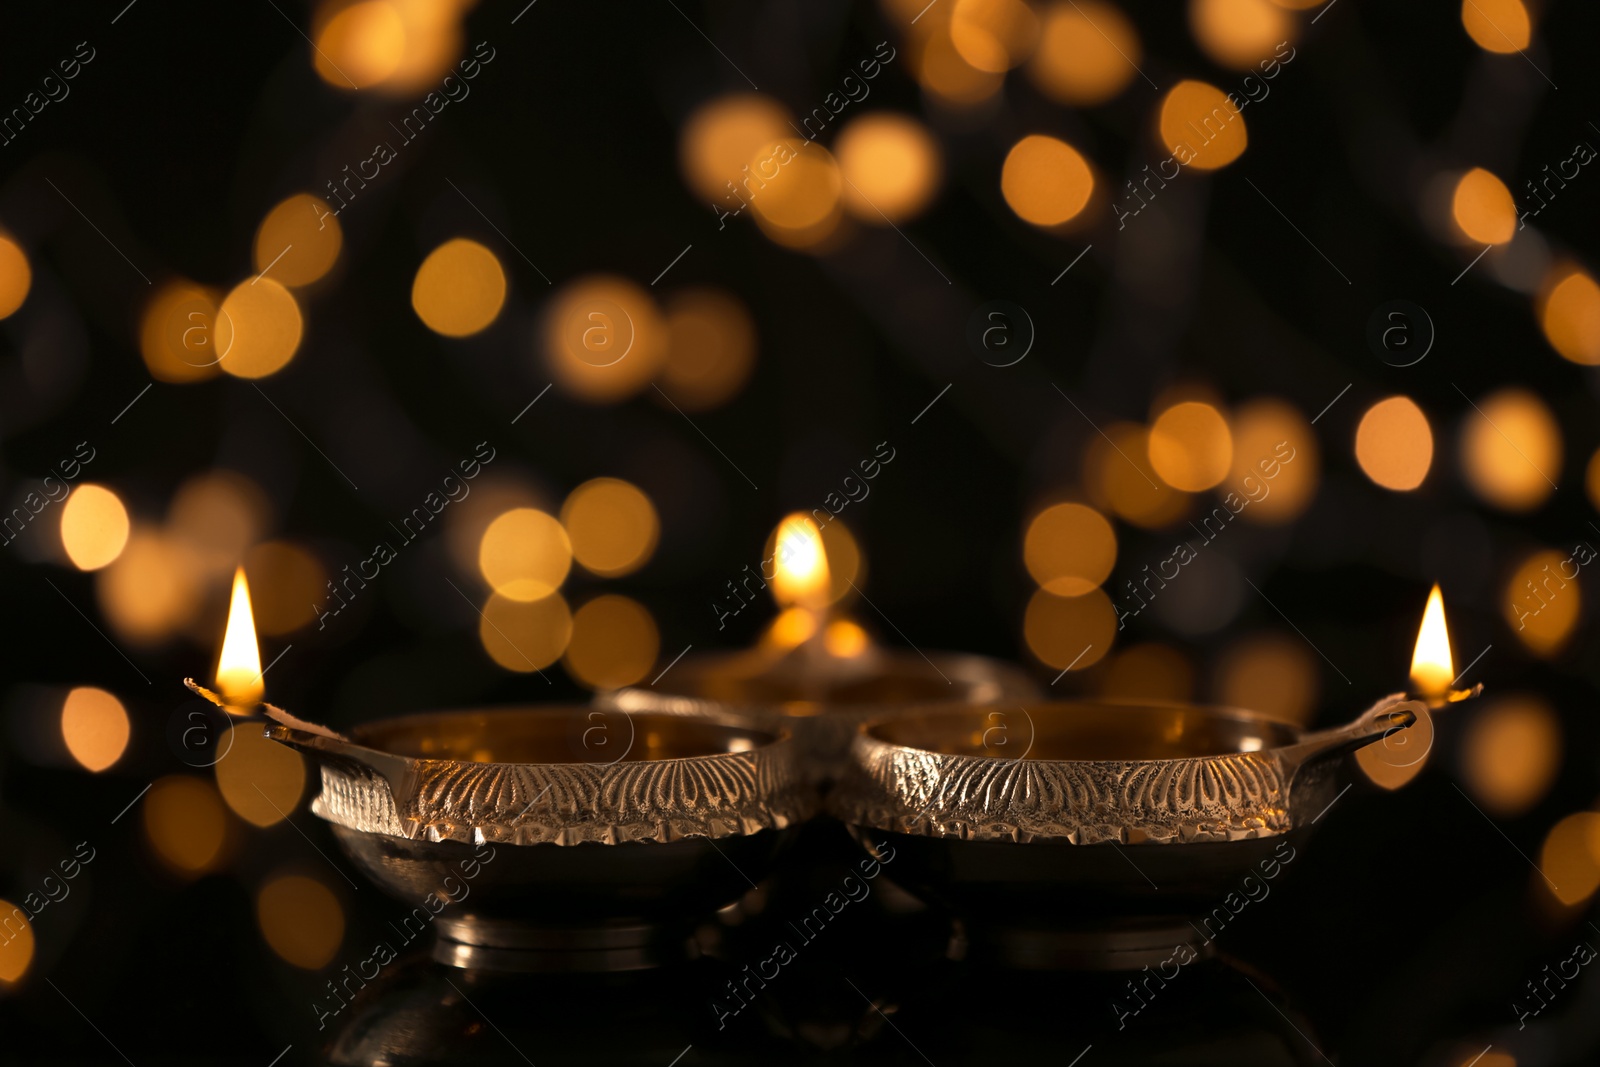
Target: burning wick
x=239 y=663
x=1432 y=666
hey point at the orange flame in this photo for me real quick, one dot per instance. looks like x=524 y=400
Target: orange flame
x=239 y=665
x=801 y=575
x=1432 y=668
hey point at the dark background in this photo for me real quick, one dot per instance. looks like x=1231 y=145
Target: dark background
x=1404 y=934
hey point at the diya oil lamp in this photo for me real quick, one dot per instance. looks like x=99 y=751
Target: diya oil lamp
x=815 y=671
x=1117 y=826
x=564 y=838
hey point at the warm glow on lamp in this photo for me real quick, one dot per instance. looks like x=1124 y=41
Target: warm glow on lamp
x=1432 y=669
x=801 y=575
x=239 y=665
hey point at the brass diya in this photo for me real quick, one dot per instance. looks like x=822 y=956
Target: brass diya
x=823 y=704
x=594 y=840
x=1091 y=814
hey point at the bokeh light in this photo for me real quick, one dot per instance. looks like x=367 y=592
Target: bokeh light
x=286 y=584
x=791 y=628
x=459 y=289
x=16 y=276
x=1510 y=753
x=1274 y=674
x=942 y=71
x=1399 y=756
x=1569 y=314
x=1088 y=53
x=177 y=333
x=258 y=329
x=1271 y=437
x=1394 y=444
x=1511 y=449
x=603 y=337
x=1148 y=672
x=217 y=515
x=723 y=136
x=1069 y=549
x=891 y=167
x=1118 y=475
x=845 y=639
x=1240 y=33
x=301 y=920
x=525 y=636
x=993 y=35
x=1542 y=599
x=185 y=822
x=1200 y=127
x=16 y=950
x=711 y=348
x=525 y=554
x=299 y=240
x=260 y=779
x=1191 y=446
x=94 y=527
x=614 y=643
x=151 y=590
x=1483 y=209
x=359 y=45
x=1045 y=180
x=796 y=192
x=1075 y=631
x=612 y=526
x=1497 y=25
x=95 y=727
x=1570 y=858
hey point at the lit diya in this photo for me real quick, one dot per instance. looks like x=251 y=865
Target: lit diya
x=1107 y=823
x=815 y=671
x=562 y=838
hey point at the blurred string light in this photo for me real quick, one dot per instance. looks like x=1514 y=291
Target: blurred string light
x=711 y=348
x=1069 y=549
x=1118 y=475
x=1149 y=671
x=94 y=527
x=1569 y=314
x=1200 y=127
x=16 y=277
x=299 y=240
x=459 y=289
x=185 y=823
x=152 y=590
x=801 y=204
x=1542 y=602
x=612 y=526
x=16 y=952
x=603 y=338
x=1269 y=673
x=614 y=643
x=891 y=167
x=258 y=329
x=261 y=780
x=1069 y=632
x=1510 y=754
x=1570 y=858
x=1497 y=25
x=1483 y=209
x=177 y=333
x=301 y=920
x=1045 y=180
x=525 y=554
x=217 y=515
x=358 y=45
x=1394 y=444
x=1398 y=757
x=993 y=35
x=95 y=727
x=525 y=636
x=940 y=68
x=1190 y=446
x=1259 y=426
x=1088 y=53
x=1511 y=449
x=1240 y=33
x=287 y=580
x=722 y=136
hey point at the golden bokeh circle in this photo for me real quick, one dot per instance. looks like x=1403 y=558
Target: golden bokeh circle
x=525 y=636
x=459 y=289
x=1045 y=180
x=614 y=643
x=891 y=167
x=1075 y=631
x=525 y=554
x=258 y=329
x=1394 y=444
x=298 y=241
x=1088 y=53
x=1511 y=449
x=1069 y=549
x=612 y=526
x=1191 y=446
x=301 y=920
x=16 y=276
x=94 y=527
x=1201 y=127
x=1483 y=209
x=95 y=727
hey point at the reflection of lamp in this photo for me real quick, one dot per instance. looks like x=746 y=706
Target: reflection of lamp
x=1432 y=667
x=815 y=670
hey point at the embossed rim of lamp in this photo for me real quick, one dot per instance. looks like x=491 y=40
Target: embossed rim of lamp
x=415 y=777
x=1150 y=773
